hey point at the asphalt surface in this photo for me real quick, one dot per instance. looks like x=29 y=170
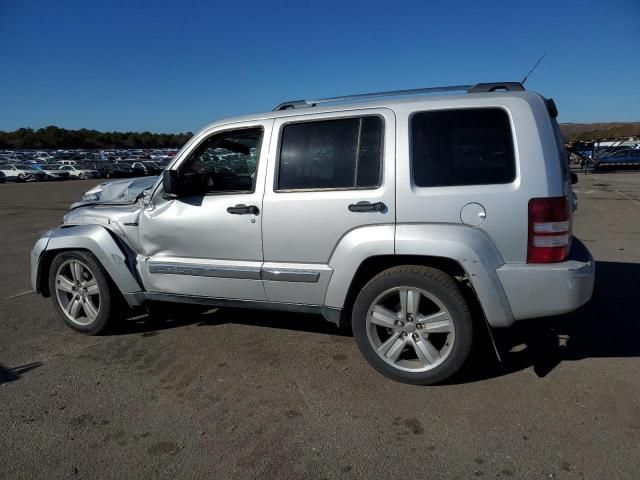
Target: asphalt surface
x=253 y=394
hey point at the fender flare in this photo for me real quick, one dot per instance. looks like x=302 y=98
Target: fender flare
x=354 y=248
x=473 y=250
x=469 y=247
x=101 y=243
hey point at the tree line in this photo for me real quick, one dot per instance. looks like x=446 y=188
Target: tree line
x=595 y=131
x=53 y=137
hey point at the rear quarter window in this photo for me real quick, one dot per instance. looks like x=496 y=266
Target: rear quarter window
x=462 y=147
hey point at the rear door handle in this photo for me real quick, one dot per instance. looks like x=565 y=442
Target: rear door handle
x=243 y=210
x=367 y=207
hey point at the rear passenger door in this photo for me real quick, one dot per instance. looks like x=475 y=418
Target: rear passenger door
x=328 y=174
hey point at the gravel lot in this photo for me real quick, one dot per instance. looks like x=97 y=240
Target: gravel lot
x=253 y=394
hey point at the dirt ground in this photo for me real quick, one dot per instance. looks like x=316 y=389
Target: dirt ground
x=254 y=394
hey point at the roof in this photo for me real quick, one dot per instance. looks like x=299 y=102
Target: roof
x=390 y=100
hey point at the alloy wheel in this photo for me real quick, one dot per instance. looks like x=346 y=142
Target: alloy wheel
x=77 y=292
x=410 y=329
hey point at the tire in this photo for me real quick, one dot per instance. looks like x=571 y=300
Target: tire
x=21 y=177
x=83 y=176
x=421 y=346
x=105 y=302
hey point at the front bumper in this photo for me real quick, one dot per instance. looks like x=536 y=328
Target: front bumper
x=542 y=290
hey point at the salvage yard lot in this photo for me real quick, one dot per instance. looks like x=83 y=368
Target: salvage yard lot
x=243 y=394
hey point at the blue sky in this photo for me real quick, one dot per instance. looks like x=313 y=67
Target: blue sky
x=177 y=65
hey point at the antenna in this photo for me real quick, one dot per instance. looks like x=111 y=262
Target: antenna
x=532 y=69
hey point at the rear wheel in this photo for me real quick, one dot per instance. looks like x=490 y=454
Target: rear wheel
x=82 y=292
x=413 y=325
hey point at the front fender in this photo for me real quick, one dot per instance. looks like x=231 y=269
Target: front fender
x=473 y=250
x=97 y=240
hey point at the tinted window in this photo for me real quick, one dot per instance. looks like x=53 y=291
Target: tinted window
x=224 y=162
x=343 y=153
x=462 y=147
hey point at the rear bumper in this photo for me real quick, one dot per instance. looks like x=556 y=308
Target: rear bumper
x=549 y=289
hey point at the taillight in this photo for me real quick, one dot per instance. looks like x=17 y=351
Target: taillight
x=549 y=230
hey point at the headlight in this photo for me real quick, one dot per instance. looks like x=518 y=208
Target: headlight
x=93 y=194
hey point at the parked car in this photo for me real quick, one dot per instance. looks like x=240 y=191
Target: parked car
x=22 y=173
x=397 y=216
x=52 y=172
x=118 y=170
x=628 y=159
x=80 y=173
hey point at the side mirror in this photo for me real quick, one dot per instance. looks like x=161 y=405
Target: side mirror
x=574 y=178
x=170 y=183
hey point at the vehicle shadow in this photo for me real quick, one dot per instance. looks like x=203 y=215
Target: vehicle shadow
x=181 y=315
x=12 y=374
x=607 y=326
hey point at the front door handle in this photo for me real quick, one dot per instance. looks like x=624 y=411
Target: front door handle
x=367 y=207
x=243 y=210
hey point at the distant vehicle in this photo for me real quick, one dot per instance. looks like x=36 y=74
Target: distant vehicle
x=22 y=173
x=154 y=166
x=77 y=172
x=628 y=159
x=118 y=170
x=43 y=156
x=146 y=168
x=67 y=162
x=52 y=172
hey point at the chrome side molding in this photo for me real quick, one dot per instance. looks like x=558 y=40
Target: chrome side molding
x=200 y=270
x=241 y=272
x=289 y=275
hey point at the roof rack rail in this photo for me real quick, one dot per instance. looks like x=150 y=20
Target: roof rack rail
x=477 y=88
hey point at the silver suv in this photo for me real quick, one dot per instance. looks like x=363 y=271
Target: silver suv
x=396 y=213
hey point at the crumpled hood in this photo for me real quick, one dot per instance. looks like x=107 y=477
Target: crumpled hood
x=116 y=192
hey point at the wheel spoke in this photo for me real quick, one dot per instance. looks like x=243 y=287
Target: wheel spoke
x=89 y=309
x=92 y=287
x=383 y=316
x=64 y=284
x=76 y=271
x=409 y=301
x=426 y=351
x=437 y=323
x=73 y=307
x=443 y=326
x=392 y=348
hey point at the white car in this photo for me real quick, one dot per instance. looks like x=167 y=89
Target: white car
x=21 y=173
x=80 y=173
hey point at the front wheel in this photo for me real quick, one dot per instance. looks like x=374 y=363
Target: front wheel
x=413 y=325
x=81 y=291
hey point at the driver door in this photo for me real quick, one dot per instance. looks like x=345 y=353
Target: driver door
x=209 y=244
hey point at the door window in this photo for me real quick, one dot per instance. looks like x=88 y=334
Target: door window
x=331 y=154
x=225 y=162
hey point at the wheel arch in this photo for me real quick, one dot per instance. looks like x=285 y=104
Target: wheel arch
x=374 y=265
x=110 y=252
x=460 y=251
